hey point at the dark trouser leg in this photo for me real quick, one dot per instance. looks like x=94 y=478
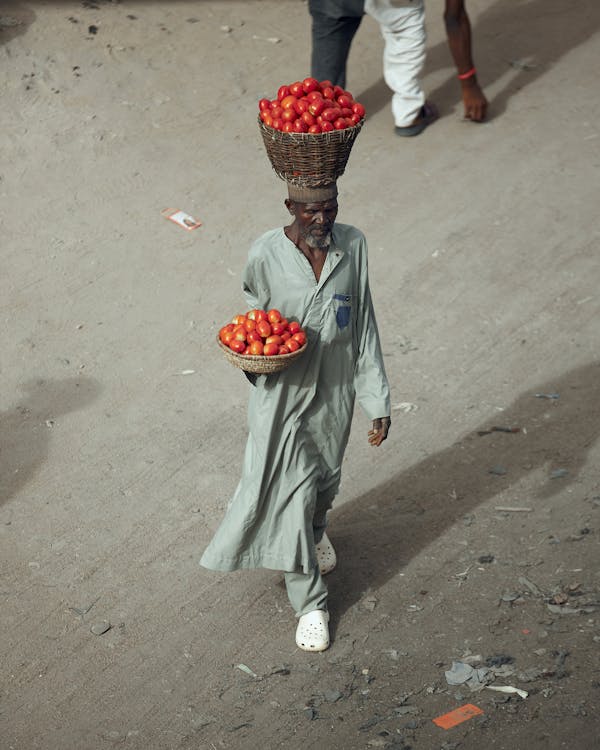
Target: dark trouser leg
x=331 y=40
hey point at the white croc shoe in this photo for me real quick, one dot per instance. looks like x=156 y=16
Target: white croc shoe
x=326 y=557
x=312 y=633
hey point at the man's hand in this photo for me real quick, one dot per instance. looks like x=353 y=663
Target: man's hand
x=379 y=431
x=474 y=101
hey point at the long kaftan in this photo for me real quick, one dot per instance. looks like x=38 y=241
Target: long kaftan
x=299 y=419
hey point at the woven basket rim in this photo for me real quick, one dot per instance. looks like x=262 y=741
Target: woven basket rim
x=281 y=361
x=332 y=135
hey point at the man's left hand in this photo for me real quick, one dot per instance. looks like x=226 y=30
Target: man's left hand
x=474 y=101
x=379 y=431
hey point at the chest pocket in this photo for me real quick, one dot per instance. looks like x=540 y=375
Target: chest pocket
x=343 y=305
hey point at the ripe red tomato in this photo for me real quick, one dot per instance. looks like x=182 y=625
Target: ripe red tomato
x=292 y=345
x=260 y=315
x=308 y=119
x=314 y=129
x=237 y=346
x=358 y=109
x=325 y=84
x=226 y=329
x=228 y=337
x=300 y=337
x=316 y=107
x=331 y=114
x=288 y=101
x=310 y=84
x=276 y=112
x=294 y=327
x=267 y=119
x=238 y=320
x=300 y=126
x=274 y=340
x=296 y=89
x=277 y=328
x=270 y=349
x=328 y=92
x=289 y=115
x=283 y=92
x=338 y=91
x=264 y=104
x=346 y=112
x=314 y=96
x=239 y=333
x=285 y=336
x=288 y=127
x=277 y=123
x=326 y=127
x=253 y=336
x=264 y=328
x=301 y=105
x=344 y=100
x=283 y=349
x=256 y=348
x=273 y=316
x=340 y=123
x=284 y=321
x=355 y=119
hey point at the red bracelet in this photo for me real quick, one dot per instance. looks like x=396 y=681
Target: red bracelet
x=468 y=74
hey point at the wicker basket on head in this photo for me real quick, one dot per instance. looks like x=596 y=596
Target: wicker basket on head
x=260 y=365
x=306 y=159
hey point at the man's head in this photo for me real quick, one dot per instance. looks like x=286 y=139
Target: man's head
x=314 y=211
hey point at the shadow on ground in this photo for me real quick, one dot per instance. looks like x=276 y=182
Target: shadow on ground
x=377 y=534
x=27 y=429
x=524 y=38
x=15 y=19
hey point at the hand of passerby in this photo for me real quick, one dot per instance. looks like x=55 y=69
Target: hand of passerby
x=474 y=101
x=379 y=432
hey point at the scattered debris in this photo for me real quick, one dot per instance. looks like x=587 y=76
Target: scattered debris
x=81 y=611
x=499 y=471
x=512 y=509
x=99 y=628
x=464 y=674
x=551 y=396
x=187 y=372
x=246 y=670
x=499 y=659
x=181 y=218
x=558 y=473
x=93 y=30
x=512 y=430
x=453 y=718
x=508 y=689
x=271 y=39
x=523 y=65
x=483 y=559
x=405 y=406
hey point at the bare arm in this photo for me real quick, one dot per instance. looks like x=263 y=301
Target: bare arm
x=458 y=29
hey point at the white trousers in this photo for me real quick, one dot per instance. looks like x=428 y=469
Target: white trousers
x=402 y=25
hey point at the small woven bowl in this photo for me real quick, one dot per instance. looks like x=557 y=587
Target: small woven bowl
x=260 y=365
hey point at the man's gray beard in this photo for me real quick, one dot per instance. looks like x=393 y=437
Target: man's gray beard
x=319 y=243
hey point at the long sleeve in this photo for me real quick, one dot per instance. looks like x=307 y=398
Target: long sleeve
x=370 y=379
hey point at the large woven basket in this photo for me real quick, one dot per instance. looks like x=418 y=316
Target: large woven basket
x=306 y=159
x=260 y=365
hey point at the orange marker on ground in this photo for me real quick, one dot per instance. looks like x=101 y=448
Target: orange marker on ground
x=463 y=713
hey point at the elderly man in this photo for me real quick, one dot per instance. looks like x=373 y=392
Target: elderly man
x=313 y=270
x=402 y=23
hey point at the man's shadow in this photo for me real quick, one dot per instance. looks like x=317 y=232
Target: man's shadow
x=522 y=39
x=27 y=428
x=15 y=19
x=377 y=534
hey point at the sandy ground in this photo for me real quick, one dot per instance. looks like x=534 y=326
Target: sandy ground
x=116 y=466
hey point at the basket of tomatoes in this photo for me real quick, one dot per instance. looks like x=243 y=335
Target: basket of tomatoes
x=308 y=131
x=262 y=342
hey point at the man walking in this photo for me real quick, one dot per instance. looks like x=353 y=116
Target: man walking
x=313 y=270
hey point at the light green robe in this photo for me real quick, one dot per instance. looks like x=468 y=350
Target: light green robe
x=299 y=419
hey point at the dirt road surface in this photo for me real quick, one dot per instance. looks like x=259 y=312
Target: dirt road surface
x=122 y=427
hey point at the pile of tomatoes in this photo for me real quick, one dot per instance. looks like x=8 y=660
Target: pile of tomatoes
x=261 y=333
x=310 y=106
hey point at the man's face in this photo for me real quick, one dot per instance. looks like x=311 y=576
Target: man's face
x=315 y=221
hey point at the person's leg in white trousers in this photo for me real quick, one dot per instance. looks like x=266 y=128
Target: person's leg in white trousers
x=402 y=25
